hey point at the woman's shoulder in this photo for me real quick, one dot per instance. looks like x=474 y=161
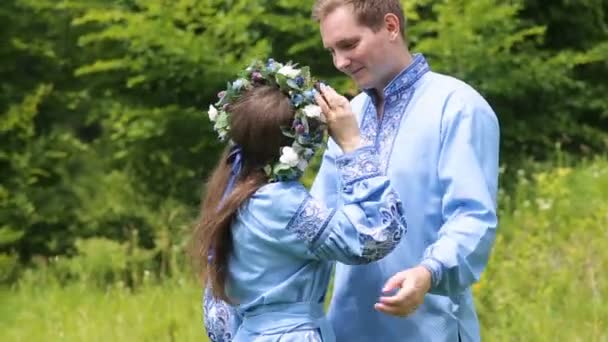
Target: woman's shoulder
x=279 y=190
x=277 y=201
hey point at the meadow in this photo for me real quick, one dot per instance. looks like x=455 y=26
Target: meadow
x=545 y=282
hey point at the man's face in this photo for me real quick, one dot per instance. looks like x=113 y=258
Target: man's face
x=357 y=50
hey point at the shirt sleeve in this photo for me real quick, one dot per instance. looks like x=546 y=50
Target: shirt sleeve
x=326 y=183
x=367 y=225
x=220 y=318
x=468 y=173
x=326 y=186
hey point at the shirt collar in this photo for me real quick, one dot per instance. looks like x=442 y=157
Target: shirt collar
x=405 y=79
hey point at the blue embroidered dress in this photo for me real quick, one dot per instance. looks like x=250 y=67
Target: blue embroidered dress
x=283 y=244
x=438 y=141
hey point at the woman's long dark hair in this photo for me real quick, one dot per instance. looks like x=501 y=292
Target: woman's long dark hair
x=255 y=125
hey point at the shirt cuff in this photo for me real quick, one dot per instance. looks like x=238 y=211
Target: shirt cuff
x=359 y=164
x=436 y=268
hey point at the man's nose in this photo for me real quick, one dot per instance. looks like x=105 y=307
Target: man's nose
x=341 y=61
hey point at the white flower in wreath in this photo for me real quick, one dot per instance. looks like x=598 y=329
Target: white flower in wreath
x=213 y=113
x=238 y=84
x=222 y=135
x=289 y=71
x=289 y=157
x=312 y=111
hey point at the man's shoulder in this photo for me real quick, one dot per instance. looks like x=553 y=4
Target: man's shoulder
x=459 y=97
x=450 y=85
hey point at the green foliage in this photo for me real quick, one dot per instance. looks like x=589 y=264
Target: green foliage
x=31 y=167
x=491 y=45
x=99 y=261
x=9 y=268
x=545 y=278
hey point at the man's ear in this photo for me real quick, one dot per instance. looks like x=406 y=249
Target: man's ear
x=392 y=25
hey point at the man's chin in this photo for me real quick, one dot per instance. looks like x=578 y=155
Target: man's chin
x=361 y=83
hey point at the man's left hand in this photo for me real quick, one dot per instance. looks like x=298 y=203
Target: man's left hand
x=412 y=285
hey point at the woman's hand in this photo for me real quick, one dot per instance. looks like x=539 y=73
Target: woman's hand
x=341 y=121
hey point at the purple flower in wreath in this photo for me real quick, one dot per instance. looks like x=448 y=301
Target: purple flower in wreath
x=300 y=129
x=256 y=76
x=300 y=81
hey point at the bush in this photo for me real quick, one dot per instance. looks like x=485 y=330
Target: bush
x=100 y=263
x=9 y=265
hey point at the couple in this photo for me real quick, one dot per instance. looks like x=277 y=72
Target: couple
x=414 y=145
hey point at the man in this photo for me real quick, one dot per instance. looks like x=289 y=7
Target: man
x=439 y=141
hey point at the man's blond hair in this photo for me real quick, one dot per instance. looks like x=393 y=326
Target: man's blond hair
x=369 y=13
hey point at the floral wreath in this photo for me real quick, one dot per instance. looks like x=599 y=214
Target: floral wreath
x=307 y=129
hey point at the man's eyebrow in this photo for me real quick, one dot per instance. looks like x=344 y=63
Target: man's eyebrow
x=343 y=41
x=349 y=40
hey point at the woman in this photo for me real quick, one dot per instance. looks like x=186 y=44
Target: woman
x=265 y=243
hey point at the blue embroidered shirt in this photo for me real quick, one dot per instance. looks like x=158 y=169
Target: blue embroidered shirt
x=283 y=244
x=438 y=140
